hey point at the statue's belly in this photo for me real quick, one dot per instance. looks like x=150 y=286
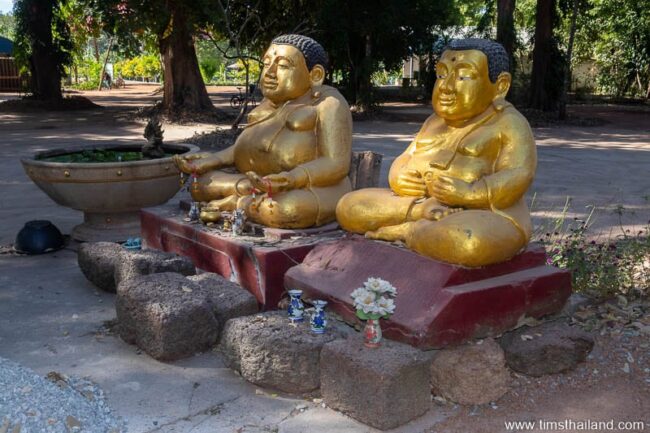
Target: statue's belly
x=276 y=152
x=468 y=168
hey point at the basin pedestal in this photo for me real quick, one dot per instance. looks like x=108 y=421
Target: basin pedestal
x=107 y=227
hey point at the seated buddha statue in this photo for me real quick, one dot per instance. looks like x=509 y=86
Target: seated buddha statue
x=289 y=166
x=457 y=192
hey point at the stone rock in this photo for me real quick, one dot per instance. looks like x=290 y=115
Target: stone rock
x=573 y=304
x=271 y=352
x=72 y=423
x=165 y=315
x=383 y=387
x=228 y=299
x=472 y=374
x=98 y=261
x=145 y=262
x=552 y=347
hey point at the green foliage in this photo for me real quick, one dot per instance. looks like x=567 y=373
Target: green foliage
x=254 y=71
x=7 y=25
x=613 y=35
x=601 y=268
x=86 y=85
x=208 y=68
x=90 y=69
x=83 y=26
x=152 y=20
x=476 y=13
x=617 y=36
x=172 y=27
x=365 y=316
x=145 y=66
x=383 y=77
x=211 y=61
x=525 y=15
x=42 y=45
x=29 y=34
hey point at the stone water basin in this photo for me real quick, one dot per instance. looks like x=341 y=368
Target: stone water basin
x=110 y=194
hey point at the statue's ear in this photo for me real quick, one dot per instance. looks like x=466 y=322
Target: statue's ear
x=503 y=84
x=317 y=75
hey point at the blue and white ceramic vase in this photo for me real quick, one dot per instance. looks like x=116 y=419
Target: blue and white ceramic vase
x=318 y=320
x=296 y=307
x=133 y=244
x=194 y=212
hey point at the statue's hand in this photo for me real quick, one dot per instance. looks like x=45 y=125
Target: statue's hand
x=195 y=162
x=283 y=181
x=451 y=191
x=410 y=182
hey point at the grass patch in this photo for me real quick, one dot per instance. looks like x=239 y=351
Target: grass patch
x=603 y=268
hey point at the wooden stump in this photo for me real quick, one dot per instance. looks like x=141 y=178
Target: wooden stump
x=364 y=169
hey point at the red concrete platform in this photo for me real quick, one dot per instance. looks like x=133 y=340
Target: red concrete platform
x=437 y=304
x=256 y=263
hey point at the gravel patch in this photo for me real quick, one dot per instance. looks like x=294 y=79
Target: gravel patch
x=30 y=403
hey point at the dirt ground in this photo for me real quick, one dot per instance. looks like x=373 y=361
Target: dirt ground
x=605 y=166
x=613 y=386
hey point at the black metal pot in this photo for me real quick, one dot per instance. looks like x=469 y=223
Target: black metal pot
x=38 y=237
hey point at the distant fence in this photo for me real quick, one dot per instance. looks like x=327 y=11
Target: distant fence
x=10 y=80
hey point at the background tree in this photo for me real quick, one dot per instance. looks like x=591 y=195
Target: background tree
x=506 y=33
x=363 y=35
x=42 y=45
x=548 y=61
x=7 y=25
x=576 y=5
x=84 y=27
x=616 y=36
x=173 y=24
x=245 y=28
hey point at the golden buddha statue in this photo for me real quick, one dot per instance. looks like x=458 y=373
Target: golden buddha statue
x=457 y=192
x=289 y=167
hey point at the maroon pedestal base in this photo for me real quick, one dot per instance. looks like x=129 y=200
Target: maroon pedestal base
x=256 y=264
x=437 y=304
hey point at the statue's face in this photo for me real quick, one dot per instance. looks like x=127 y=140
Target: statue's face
x=285 y=75
x=463 y=88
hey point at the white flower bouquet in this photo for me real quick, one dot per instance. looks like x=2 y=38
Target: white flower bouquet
x=375 y=299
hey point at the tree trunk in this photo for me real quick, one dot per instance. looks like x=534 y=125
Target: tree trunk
x=108 y=53
x=44 y=68
x=184 y=89
x=363 y=85
x=567 y=73
x=244 y=104
x=428 y=73
x=539 y=97
x=96 y=49
x=506 y=35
